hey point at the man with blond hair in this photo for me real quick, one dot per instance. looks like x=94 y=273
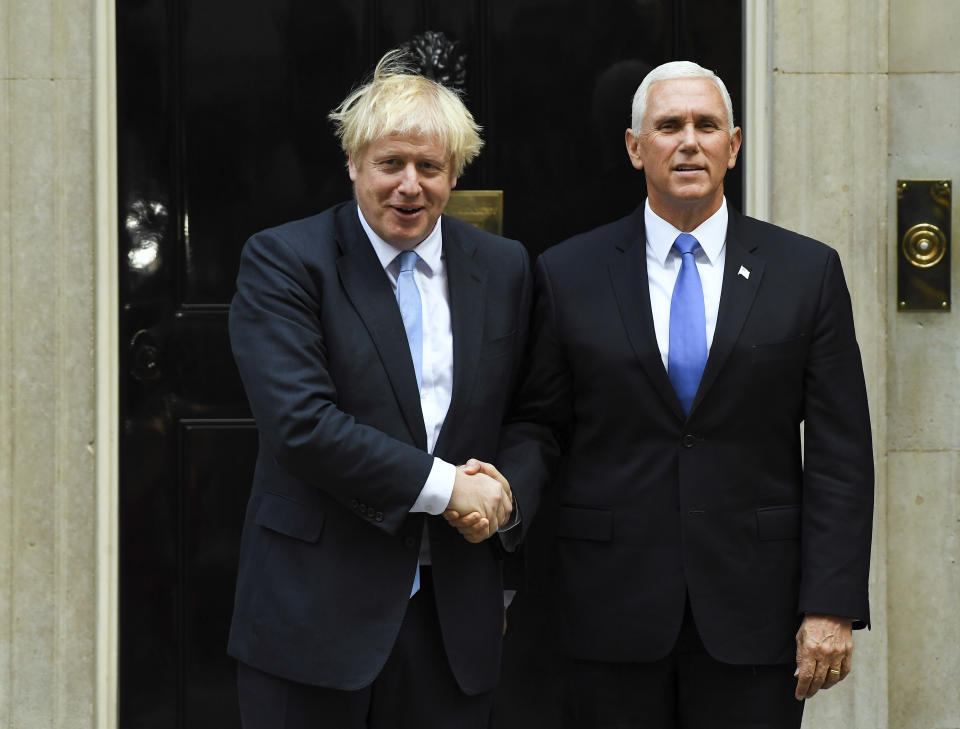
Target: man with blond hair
x=379 y=343
x=713 y=564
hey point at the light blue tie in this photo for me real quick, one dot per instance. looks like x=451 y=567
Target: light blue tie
x=408 y=297
x=687 y=355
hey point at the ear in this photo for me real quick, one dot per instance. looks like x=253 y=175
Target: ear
x=453 y=181
x=736 y=139
x=633 y=148
x=352 y=167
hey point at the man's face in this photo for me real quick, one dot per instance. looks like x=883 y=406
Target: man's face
x=402 y=184
x=684 y=148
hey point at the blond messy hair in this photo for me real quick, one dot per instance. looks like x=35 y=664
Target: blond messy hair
x=397 y=100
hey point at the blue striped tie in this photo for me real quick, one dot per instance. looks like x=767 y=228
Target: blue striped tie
x=687 y=355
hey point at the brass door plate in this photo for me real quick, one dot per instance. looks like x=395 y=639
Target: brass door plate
x=923 y=245
x=482 y=208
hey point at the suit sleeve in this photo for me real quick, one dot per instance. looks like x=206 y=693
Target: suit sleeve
x=279 y=346
x=837 y=514
x=539 y=421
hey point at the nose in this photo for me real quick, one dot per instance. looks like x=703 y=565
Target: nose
x=409 y=180
x=688 y=136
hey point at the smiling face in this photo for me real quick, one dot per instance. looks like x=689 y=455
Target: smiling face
x=402 y=184
x=684 y=148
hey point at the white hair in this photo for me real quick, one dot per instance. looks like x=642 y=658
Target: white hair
x=672 y=70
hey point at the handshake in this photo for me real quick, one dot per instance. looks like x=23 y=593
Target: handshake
x=481 y=502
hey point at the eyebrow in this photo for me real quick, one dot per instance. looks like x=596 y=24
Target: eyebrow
x=678 y=119
x=387 y=155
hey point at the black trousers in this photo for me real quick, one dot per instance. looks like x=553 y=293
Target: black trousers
x=688 y=689
x=415 y=690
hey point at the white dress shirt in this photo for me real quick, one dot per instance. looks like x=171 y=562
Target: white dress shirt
x=663 y=267
x=436 y=388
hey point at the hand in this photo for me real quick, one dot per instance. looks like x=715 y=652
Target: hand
x=483 y=502
x=824 y=645
x=476 y=466
x=474 y=525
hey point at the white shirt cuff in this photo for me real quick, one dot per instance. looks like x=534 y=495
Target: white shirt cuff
x=438 y=489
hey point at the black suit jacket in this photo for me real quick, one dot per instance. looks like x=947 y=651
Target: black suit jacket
x=329 y=546
x=723 y=504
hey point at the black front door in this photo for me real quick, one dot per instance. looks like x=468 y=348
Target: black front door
x=222 y=120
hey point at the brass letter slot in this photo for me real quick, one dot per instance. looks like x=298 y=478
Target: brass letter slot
x=482 y=208
x=923 y=245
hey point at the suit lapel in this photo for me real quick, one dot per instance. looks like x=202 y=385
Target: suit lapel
x=742 y=272
x=466 y=280
x=369 y=290
x=628 y=273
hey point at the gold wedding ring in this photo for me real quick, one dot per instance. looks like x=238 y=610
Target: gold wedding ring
x=834 y=671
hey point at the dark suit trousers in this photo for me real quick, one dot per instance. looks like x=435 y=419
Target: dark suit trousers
x=415 y=690
x=687 y=689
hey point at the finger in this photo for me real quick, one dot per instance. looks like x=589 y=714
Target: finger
x=505 y=485
x=507 y=501
x=469 y=521
x=834 y=676
x=472 y=466
x=846 y=665
x=502 y=514
x=491 y=470
x=819 y=676
x=478 y=525
x=804 y=674
x=478 y=533
x=451 y=515
x=831 y=655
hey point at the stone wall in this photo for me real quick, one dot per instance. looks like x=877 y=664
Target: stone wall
x=47 y=481
x=866 y=92
x=923 y=392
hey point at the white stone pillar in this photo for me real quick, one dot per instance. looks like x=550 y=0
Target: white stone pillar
x=923 y=388
x=47 y=425
x=828 y=164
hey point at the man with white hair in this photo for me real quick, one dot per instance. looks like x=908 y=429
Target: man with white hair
x=712 y=565
x=379 y=343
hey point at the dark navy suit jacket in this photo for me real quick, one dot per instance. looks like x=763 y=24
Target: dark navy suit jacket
x=723 y=505
x=329 y=546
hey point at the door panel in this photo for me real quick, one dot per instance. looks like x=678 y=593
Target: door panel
x=222 y=110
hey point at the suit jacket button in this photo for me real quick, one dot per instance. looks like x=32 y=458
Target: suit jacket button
x=409 y=542
x=354 y=504
x=379 y=516
x=371 y=512
x=689 y=440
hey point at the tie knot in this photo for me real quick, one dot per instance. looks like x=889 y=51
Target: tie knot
x=686 y=243
x=408 y=259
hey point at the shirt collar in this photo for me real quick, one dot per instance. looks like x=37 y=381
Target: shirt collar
x=430 y=249
x=711 y=233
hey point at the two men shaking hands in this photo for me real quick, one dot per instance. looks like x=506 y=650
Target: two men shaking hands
x=653 y=372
